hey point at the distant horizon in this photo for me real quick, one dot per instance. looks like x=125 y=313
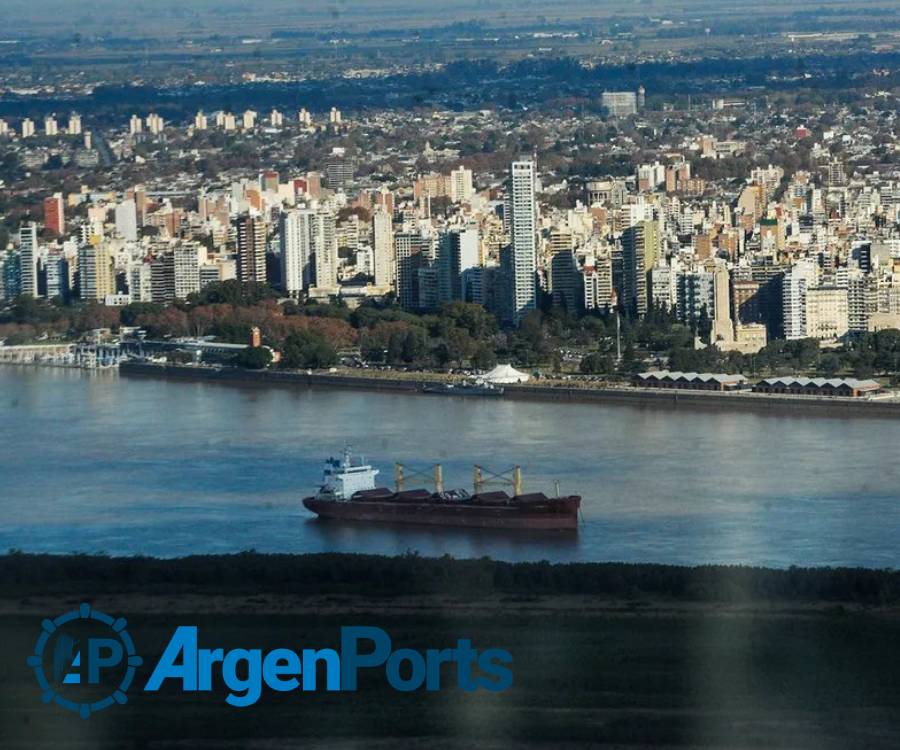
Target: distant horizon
x=198 y=18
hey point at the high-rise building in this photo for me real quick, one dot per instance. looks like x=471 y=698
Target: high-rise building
x=51 y=126
x=140 y=277
x=54 y=214
x=28 y=259
x=96 y=279
x=186 y=259
x=135 y=125
x=827 y=313
x=598 y=283
x=339 y=172
x=248 y=121
x=797 y=282
x=74 y=127
x=27 y=127
x=620 y=103
x=10 y=275
x=155 y=124
x=383 y=249
x=162 y=279
x=276 y=119
x=696 y=296
x=251 y=246
x=640 y=249
x=269 y=180
x=722 y=325
x=862 y=300
x=457 y=254
x=523 y=235
x=325 y=249
x=295 y=232
x=126 y=220
x=745 y=301
x=461 y=185
x=200 y=121
x=663 y=282
x=410 y=251
x=56 y=275
x=176 y=274
x=566 y=281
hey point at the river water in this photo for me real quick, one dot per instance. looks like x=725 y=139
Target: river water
x=95 y=462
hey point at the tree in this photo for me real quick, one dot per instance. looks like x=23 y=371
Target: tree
x=93 y=316
x=129 y=314
x=234 y=292
x=484 y=358
x=254 y=358
x=307 y=349
x=598 y=364
x=829 y=365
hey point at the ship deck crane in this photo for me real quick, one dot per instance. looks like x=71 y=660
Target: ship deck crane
x=512 y=477
x=435 y=476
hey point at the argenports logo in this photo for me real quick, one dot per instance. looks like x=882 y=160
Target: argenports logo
x=84 y=660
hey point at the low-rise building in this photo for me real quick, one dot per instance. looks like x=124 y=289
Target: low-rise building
x=695 y=381
x=847 y=388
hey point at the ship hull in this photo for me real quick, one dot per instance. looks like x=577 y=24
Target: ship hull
x=563 y=516
x=470 y=392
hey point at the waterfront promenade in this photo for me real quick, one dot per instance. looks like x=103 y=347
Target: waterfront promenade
x=545 y=390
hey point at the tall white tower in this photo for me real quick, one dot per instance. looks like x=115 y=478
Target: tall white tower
x=523 y=232
x=296 y=250
x=383 y=248
x=28 y=258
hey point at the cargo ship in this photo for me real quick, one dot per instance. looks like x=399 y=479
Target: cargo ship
x=349 y=492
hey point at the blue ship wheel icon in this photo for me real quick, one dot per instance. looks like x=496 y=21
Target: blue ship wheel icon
x=36 y=660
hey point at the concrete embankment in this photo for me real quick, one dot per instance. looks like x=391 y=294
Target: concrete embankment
x=559 y=393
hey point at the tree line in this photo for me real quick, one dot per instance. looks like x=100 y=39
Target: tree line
x=340 y=573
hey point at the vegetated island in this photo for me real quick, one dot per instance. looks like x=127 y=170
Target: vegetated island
x=605 y=655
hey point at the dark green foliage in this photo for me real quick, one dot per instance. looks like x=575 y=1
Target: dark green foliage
x=234 y=292
x=254 y=358
x=307 y=349
x=412 y=574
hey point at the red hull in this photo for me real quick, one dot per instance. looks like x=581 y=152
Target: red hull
x=561 y=515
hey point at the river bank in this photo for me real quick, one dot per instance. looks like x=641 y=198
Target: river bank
x=561 y=392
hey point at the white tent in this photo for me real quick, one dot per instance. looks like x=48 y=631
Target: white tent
x=504 y=374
